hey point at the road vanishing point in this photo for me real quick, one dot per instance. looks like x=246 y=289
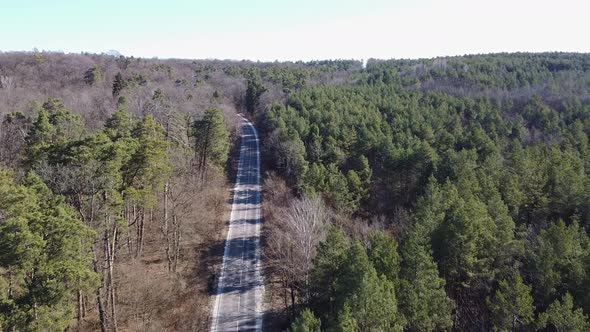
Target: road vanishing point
x=238 y=300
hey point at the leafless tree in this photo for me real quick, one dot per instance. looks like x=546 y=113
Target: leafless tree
x=292 y=244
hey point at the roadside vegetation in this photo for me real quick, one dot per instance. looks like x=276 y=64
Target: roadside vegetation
x=109 y=221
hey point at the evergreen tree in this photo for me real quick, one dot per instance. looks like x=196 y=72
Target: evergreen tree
x=372 y=300
x=43 y=250
x=384 y=257
x=93 y=75
x=559 y=260
x=307 y=322
x=561 y=316
x=463 y=243
x=511 y=306
x=146 y=172
x=423 y=299
x=118 y=84
x=53 y=128
x=346 y=322
x=148 y=169
x=254 y=89
x=120 y=124
x=326 y=266
x=211 y=140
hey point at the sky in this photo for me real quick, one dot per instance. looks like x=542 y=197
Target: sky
x=269 y=30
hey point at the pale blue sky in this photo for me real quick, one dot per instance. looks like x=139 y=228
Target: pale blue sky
x=292 y=30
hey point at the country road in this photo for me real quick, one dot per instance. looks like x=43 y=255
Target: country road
x=238 y=300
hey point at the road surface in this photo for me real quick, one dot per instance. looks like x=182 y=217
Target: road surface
x=238 y=300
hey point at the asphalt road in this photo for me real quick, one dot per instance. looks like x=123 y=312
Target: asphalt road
x=238 y=301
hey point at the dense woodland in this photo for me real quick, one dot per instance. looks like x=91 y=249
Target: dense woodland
x=459 y=188
x=418 y=195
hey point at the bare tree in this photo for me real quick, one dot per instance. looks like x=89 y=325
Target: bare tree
x=13 y=132
x=292 y=244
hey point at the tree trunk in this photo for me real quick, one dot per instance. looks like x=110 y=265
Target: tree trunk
x=110 y=247
x=80 y=309
x=101 y=312
x=203 y=163
x=177 y=238
x=140 y=230
x=286 y=298
x=84 y=304
x=9 y=283
x=292 y=301
x=99 y=300
x=165 y=228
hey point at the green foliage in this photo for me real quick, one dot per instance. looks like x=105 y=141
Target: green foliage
x=326 y=264
x=423 y=299
x=43 y=255
x=463 y=241
x=384 y=257
x=559 y=260
x=93 y=75
x=346 y=322
x=307 y=322
x=469 y=171
x=149 y=167
x=119 y=84
x=254 y=89
x=346 y=290
x=371 y=299
x=119 y=125
x=512 y=305
x=470 y=160
x=212 y=138
x=53 y=127
x=561 y=316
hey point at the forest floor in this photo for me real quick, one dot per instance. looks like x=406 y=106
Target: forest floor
x=149 y=297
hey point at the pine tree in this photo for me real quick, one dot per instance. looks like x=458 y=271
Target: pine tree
x=44 y=254
x=53 y=128
x=561 y=316
x=211 y=140
x=346 y=322
x=307 y=322
x=559 y=260
x=254 y=89
x=326 y=264
x=384 y=257
x=463 y=242
x=118 y=84
x=93 y=75
x=511 y=306
x=120 y=124
x=422 y=297
x=39 y=138
x=147 y=171
x=372 y=300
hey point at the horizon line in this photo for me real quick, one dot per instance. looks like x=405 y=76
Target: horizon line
x=361 y=60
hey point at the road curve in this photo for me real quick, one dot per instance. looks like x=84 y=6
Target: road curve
x=238 y=300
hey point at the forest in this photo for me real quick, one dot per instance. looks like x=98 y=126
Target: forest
x=400 y=195
x=456 y=196
x=112 y=194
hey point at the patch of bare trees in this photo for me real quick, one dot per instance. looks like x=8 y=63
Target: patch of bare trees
x=293 y=231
